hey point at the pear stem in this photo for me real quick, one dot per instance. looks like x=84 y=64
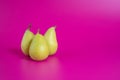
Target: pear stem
x=38 y=31
x=55 y=27
x=29 y=26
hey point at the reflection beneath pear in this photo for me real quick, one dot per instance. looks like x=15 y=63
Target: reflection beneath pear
x=48 y=69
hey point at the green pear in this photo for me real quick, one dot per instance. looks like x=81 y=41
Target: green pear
x=38 y=49
x=51 y=39
x=26 y=40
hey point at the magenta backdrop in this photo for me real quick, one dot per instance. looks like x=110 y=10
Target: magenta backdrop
x=88 y=33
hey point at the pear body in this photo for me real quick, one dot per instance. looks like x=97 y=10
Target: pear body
x=51 y=39
x=38 y=49
x=26 y=40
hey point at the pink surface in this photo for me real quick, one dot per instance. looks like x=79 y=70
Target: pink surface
x=88 y=33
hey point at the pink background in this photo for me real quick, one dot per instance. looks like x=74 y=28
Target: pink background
x=88 y=33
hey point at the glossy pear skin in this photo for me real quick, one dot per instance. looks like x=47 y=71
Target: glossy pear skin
x=51 y=39
x=38 y=49
x=26 y=40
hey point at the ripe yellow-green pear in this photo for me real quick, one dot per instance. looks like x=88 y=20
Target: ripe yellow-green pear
x=26 y=40
x=51 y=39
x=38 y=49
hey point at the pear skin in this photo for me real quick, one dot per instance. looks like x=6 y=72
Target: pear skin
x=38 y=49
x=26 y=40
x=51 y=39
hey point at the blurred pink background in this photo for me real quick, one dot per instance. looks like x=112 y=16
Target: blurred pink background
x=88 y=33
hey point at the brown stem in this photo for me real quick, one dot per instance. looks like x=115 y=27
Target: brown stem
x=38 y=31
x=55 y=27
x=29 y=26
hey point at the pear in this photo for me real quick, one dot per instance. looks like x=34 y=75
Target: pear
x=38 y=49
x=26 y=40
x=51 y=39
